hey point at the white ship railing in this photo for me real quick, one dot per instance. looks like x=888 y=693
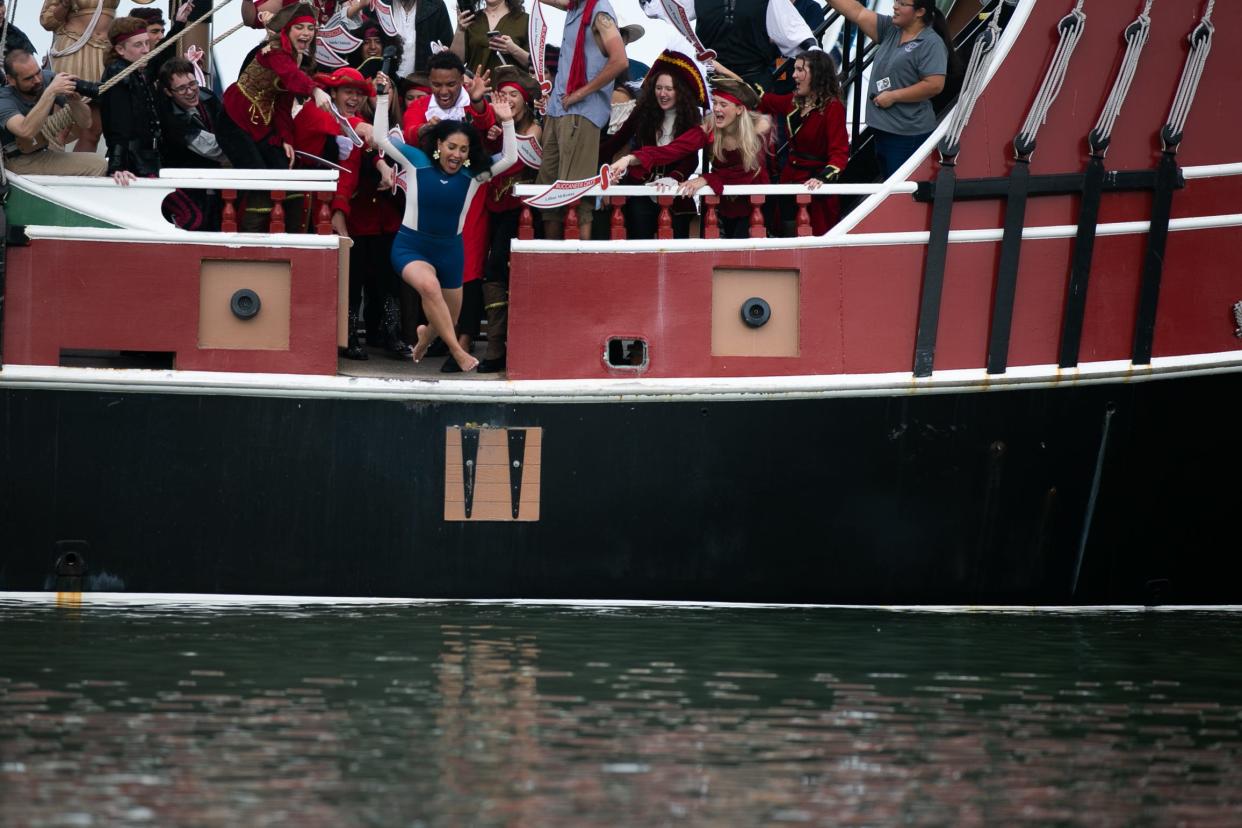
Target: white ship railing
x=138 y=206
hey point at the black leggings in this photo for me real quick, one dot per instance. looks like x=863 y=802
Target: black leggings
x=244 y=152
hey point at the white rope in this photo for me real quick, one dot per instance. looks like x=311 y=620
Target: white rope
x=236 y=28
x=1136 y=35
x=972 y=86
x=4 y=36
x=1071 y=28
x=1200 y=45
x=61 y=119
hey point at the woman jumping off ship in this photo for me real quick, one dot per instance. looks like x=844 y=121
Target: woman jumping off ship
x=442 y=179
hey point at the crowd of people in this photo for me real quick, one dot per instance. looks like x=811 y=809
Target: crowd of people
x=431 y=129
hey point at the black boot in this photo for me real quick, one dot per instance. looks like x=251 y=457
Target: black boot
x=354 y=349
x=396 y=347
x=496 y=304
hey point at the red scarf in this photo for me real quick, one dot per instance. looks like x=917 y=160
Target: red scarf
x=577 y=70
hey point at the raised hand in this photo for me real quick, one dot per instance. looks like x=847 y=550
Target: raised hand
x=479 y=85
x=503 y=110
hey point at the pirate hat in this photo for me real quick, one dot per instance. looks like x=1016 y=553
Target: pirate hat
x=345 y=76
x=524 y=80
x=676 y=63
x=737 y=91
x=299 y=8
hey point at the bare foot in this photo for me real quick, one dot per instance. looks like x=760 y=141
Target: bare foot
x=423 y=343
x=466 y=362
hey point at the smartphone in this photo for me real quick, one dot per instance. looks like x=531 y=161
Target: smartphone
x=491 y=35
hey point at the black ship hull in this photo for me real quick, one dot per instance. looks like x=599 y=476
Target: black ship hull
x=1097 y=494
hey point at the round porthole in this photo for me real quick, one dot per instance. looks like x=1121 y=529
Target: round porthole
x=756 y=312
x=245 y=304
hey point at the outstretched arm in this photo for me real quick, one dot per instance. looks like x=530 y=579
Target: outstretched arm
x=379 y=133
x=508 y=150
x=858 y=14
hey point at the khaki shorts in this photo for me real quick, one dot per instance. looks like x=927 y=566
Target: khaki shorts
x=57 y=162
x=570 y=152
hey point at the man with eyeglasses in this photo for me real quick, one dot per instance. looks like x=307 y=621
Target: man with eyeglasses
x=188 y=116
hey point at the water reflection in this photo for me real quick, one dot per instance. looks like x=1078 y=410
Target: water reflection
x=494 y=715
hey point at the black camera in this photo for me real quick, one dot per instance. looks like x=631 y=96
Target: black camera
x=86 y=89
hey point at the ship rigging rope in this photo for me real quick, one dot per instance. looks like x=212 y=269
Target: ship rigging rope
x=972 y=87
x=61 y=119
x=1071 y=28
x=1136 y=35
x=1200 y=45
x=4 y=36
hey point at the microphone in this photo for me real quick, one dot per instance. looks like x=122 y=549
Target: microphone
x=390 y=52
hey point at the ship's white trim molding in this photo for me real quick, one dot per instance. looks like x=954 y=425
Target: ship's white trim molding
x=991 y=234
x=622 y=390
x=175 y=235
x=138 y=205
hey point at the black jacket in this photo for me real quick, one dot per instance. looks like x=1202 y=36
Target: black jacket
x=131 y=122
x=431 y=23
x=183 y=131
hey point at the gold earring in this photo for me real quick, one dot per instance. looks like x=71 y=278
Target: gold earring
x=436 y=155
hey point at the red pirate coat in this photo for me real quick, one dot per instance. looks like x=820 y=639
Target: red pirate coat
x=819 y=147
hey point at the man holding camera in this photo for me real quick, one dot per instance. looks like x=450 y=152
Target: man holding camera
x=29 y=96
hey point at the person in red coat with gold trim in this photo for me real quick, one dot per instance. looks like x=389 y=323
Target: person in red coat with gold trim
x=818 y=145
x=364 y=209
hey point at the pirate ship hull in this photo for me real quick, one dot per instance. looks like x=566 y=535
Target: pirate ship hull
x=836 y=453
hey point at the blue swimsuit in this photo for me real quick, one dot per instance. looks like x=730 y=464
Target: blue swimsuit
x=436 y=204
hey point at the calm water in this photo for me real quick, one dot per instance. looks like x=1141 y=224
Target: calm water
x=553 y=716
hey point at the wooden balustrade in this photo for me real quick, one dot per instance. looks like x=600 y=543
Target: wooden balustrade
x=277 y=222
x=228 y=215
x=323 y=217
x=319 y=202
x=710 y=220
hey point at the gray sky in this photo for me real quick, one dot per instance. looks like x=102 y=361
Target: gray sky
x=230 y=52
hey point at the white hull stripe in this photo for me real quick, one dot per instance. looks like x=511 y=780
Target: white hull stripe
x=199 y=601
x=627 y=390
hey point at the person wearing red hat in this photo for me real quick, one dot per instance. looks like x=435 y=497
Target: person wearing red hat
x=664 y=134
x=818 y=144
x=740 y=148
x=256 y=128
x=517 y=88
x=364 y=209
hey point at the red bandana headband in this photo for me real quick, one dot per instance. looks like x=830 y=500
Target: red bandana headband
x=522 y=90
x=725 y=96
x=304 y=18
x=122 y=38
